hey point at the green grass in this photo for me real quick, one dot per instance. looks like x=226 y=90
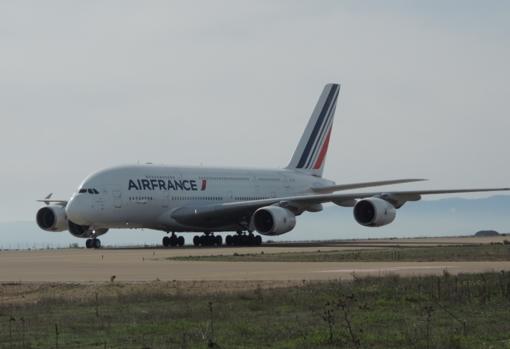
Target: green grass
x=495 y=252
x=466 y=311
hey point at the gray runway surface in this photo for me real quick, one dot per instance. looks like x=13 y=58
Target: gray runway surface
x=136 y=265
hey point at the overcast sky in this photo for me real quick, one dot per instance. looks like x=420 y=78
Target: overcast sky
x=90 y=84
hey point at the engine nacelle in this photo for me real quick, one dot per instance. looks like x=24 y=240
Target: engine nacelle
x=273 y=220
x=374 y=212
x=52 y=218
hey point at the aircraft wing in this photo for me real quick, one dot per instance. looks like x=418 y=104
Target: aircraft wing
x=48 y=200
x=211 y=215
x=330 y=189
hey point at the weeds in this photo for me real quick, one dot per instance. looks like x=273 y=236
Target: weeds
x=450 y=311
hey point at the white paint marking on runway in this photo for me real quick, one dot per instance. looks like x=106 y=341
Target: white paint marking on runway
x=424 y=267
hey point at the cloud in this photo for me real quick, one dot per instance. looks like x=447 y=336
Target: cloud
x=87 y=85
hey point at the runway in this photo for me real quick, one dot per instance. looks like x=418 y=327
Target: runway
x=138 y=265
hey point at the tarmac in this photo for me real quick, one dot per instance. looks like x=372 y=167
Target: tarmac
x=140 y=265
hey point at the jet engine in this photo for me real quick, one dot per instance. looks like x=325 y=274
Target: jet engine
x=52 y=218
x=273 y=220
x=374 y=212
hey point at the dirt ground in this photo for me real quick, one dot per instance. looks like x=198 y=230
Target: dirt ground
x=141 y=265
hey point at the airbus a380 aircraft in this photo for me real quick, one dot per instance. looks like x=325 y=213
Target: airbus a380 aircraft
x=209 y=200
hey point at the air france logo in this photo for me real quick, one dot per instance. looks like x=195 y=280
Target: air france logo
x=170 y=184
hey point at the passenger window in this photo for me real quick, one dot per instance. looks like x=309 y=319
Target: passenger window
x=82 y=191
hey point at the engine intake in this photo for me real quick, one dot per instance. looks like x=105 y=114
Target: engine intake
x=374 y=212
x=52 y=218
x=273 y=220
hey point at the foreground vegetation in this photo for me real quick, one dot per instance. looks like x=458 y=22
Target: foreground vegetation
x=493 y=252
x=466 y=311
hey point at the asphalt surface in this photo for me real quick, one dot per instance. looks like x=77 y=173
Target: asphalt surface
x=138 y=265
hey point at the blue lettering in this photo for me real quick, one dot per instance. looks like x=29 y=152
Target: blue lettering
x=132 y=185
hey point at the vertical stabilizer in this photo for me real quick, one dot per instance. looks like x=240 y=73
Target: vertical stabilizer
x=310 y=154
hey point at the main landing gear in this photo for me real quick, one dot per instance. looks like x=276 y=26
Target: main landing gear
x=93 y=243
x=173 y=240
x=243 y=239
x=207 y=240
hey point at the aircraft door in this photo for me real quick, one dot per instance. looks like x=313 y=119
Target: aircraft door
x=165 y=200
x=286 y=184
x=117 y=198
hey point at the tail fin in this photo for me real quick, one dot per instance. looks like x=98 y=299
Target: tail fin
x=310 y=154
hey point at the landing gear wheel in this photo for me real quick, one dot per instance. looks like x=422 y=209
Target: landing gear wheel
x=180 y=241
x=243 y=239
x=88 y=243
x=173 y=240
x=166 y=241
x=218 y=240
x=196 y=240
x=96 y=243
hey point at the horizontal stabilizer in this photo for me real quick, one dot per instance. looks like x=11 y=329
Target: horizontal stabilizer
x=333 y=188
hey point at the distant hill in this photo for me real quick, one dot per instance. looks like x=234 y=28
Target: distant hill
x=487 y=233
x=444 y=217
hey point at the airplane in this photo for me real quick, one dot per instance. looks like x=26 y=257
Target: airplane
x=179 y=199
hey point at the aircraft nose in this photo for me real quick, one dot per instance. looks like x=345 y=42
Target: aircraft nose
x=76 y=211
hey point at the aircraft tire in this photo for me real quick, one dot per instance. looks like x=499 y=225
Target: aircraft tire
x=96 y=243
x=88 y=243
x=218 y=240
x=228 y=240
x=173 y=241
x=180 y=241
x=196 y=240
x=166 y=241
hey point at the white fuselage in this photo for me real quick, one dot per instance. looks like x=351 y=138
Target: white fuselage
x=143 y=196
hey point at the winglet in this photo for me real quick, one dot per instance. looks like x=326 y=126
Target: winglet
x=47 y=200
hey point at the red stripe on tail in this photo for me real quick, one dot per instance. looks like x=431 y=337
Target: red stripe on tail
x=323 y=152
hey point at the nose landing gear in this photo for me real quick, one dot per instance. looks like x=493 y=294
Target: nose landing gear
x=173 y=240
x=93 y=243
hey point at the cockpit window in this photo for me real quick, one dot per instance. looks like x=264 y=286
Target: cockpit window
x=90 y=191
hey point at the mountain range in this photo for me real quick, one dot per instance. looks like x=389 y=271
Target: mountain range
x=444 y=217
